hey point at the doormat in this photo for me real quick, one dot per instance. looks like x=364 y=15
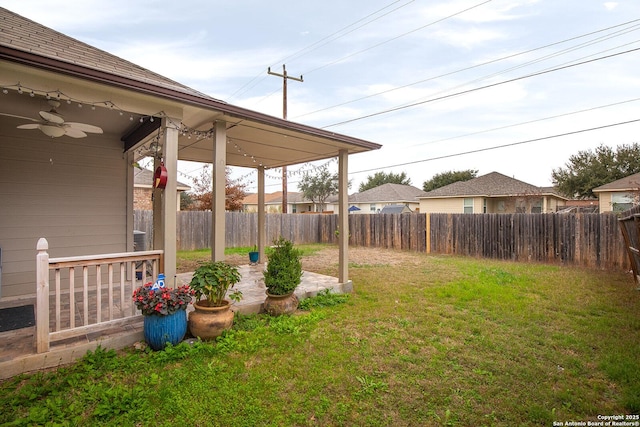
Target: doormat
x=16 y=318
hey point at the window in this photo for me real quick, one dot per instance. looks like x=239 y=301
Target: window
x=621 y=201
x=484 y=205
x=536 y=206
x=468 y=205
x=521 y=205
x=372 y=208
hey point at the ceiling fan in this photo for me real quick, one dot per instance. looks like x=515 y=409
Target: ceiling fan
x=53 y=124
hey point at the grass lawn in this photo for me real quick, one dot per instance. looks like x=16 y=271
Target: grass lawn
x=431 y=341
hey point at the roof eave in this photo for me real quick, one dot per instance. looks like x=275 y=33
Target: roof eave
x=53 y=65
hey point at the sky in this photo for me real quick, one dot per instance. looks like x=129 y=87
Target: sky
x=509 y=86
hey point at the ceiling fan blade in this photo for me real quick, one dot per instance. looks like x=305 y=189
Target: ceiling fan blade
x=53 y=131
x=52 y=116
x=18 y=117
x=74 y=132
x=29 y=126
x=83 y=127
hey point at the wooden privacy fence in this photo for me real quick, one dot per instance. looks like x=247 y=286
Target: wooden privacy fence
x=592 y=240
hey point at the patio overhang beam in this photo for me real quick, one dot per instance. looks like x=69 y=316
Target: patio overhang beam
x=140 y=132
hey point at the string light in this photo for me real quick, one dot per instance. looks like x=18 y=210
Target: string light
x=183 y=129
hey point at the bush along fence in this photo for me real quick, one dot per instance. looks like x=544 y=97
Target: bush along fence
x=590 y=240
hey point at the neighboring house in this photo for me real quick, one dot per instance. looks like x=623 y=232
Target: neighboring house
x=619 y=195
x=492 y=193
x=74 y=185
x=296 y=203
x=375 y=199
x=143 y=189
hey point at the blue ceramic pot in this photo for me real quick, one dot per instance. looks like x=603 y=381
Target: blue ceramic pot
x=160 y=330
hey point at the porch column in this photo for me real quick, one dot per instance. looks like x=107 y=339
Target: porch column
x=262 y=232
x=130 y=189
x=343 y=217
x=170 y=198
x=218 y=180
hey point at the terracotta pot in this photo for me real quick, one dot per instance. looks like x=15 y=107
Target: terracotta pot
x=277 y=305
x=208 y=323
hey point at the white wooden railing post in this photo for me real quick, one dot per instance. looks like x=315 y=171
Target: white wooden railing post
x=42 y=296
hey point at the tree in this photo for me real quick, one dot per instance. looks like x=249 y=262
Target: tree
x=590 y=169
x=380 y=178
x=319 y=187
x=203 y=195
x=446 y=178
x=186 y=201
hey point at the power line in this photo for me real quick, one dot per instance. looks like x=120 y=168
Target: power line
x=299 y=52
x=490 y=62
x=495 y=147
x=395 y=38
x=414 y=104
x=524 y=123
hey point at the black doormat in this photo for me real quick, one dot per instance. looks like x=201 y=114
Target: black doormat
x=16 y=318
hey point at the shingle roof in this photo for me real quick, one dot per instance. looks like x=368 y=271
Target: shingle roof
x=388 y=193
x=628 y=183
x=395 y=209
x=144 y=177
x=493 y=184
x=22 y=34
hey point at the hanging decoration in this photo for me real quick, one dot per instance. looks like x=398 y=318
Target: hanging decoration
x=160 y=177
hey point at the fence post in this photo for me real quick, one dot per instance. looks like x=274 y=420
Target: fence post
x=42 y=296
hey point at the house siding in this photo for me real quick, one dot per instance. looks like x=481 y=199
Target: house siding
x=447 y=205
x=72 y=192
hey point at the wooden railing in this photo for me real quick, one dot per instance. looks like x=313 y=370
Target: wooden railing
x=102 y=299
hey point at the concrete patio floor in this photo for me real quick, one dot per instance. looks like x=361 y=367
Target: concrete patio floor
x=17 y=347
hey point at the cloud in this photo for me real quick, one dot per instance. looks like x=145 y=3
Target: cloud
x=468 y=38
x=485 y=13
x=610 y=5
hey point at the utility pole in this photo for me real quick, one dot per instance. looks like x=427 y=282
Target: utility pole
x=285 y=77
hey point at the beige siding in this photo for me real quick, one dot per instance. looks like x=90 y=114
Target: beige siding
x=70 y=191
x=448 y=205
x=604 y=200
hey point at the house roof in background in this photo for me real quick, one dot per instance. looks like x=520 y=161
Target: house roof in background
x=628 y=183
x=493 y=184
x=144 y=178
x=388 y=193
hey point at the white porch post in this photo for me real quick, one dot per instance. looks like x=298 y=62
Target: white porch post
x=42 y=296
x=218 y=179
x=169 y=198
x=129 y=223
x=262 y=232
x=343 y=218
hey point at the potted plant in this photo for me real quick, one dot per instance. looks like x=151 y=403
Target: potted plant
x=212 y=315
x=164 y=311
x=281 y=277
x=254 y=255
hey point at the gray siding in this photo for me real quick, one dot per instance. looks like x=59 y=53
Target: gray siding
x=70 y=191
